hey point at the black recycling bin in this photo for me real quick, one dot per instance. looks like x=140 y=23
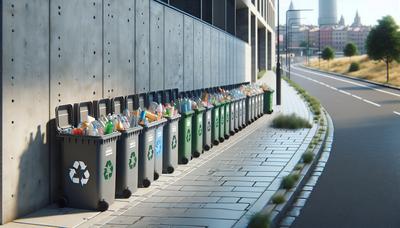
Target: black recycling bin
x=127 y=152
x=88 y=163
x=171 y=136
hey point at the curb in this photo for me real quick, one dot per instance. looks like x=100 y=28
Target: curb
x=353 y=78
x=278 y=212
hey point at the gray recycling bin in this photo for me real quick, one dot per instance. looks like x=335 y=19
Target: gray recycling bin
x=88 y=165
x=171 y=140
x=127 y=153
x=249 y=109
x=242 y=113
x=228 y=115
x=262 y=104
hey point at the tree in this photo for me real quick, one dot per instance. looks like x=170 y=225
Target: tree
x=328 y=54
x=383 y=43
x=350 y=50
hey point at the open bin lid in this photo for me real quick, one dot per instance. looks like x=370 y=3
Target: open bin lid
x=118 y=105
x=158 y=97
x=102 y=107
x=143 y=101
x=82 y=111
x=64 y=117
x=132 y=102
x=166 y=96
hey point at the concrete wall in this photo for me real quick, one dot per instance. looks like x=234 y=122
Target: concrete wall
x=60 y=52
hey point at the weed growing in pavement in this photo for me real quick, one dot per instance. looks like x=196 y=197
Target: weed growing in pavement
x=308 y=157
x=290 y=122
x=299 y=167
x=259 y=220
x=278 y=199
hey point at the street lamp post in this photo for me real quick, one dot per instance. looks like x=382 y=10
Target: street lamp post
x=287 y=12
x=278 y=67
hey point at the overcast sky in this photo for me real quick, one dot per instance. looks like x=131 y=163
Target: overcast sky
x=369 y=10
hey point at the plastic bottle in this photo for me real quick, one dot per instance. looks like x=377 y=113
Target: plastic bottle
x=109 y=129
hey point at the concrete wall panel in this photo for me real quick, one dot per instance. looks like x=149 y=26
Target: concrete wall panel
x=188 y=50
x=25 y=107
x=214 y=57
x=142 y=41
x=207 y=62
x=173 y=41
x=198 y=56
x=156 y=46
x=222 y=59
x=119 y=40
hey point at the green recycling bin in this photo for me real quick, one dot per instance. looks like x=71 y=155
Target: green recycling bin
x=222 y=122
x=215 y=124
x=207 y=128
x=227 y=119
x=232 y=117
x=197 y=133
x=185 y=137
x=268 y=96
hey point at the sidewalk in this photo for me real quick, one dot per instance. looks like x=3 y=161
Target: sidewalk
x=222 y=188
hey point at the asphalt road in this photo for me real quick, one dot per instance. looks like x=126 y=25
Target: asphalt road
x=360 y=186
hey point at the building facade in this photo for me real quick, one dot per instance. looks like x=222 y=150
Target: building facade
x=327 y=12
x=65 y=52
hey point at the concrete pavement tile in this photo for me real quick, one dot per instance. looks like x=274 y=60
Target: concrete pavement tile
x=229 y=200
x=227 y=206
x=262 y=184
x=288 y=221
x=300 y=203
x=123 y=220
x=249 y=189
x=237 y=194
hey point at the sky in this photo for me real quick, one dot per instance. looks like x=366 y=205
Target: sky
x=370 y=10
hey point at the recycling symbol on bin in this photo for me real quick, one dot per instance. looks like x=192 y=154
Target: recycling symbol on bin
x=216 y=121
x=158 y=146
x=200 y=132
x=132 y=160
x=188 y=136
x=108 y=170
x=79 y=167
x=174 y=142
x=150 y=153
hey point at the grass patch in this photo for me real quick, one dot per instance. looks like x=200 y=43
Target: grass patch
x=259 y=220
x=354 y=66
x=290 y=122
x=308 y=157
x=299 y=167
x=278 y=199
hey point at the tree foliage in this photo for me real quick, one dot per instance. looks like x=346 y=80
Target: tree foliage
x=383 y=42
x=350 y=50
x=328 y=54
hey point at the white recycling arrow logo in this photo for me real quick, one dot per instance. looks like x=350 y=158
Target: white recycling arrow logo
x=79 y=165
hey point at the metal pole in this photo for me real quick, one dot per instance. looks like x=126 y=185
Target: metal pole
x=286 y=39
x=278 y=68
x=319 y=46
x=308 y=46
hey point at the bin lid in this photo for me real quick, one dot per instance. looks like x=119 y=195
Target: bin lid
x=102 y=107
x=118 y=105
x=64 y=117
x=143 y=101
x=82 y=111
x=158 y=97
x=166 y=96
x=131 y=102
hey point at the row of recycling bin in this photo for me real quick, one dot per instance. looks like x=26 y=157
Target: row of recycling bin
x=96 y=169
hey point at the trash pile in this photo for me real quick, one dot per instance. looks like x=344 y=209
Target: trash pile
x=251 y=90
x=152 y=114
x=105 y=125
x=236 y=94
x=186 y=105
x=266 y=88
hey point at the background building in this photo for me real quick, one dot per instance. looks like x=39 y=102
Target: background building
x=65 y=52
x=327 y=12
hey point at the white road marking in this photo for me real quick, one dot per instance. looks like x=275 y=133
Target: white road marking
x=341 y=91
x=350 y=82
x=373 y=103
x=397 y=113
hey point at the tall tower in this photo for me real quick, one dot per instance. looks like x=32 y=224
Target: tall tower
x=293 y=16
x=327 y=12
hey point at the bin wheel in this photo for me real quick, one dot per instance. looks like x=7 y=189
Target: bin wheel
x=62 y=202
x=207 y=147
x=146 y=183
x=221 y=140
x=185 y=161
x=126 y=193
x=216 y=142
x=156 y=176
x=196 y=154
x=170 y=170
x=102 y=206
x=226 y=137
x=232 y=132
